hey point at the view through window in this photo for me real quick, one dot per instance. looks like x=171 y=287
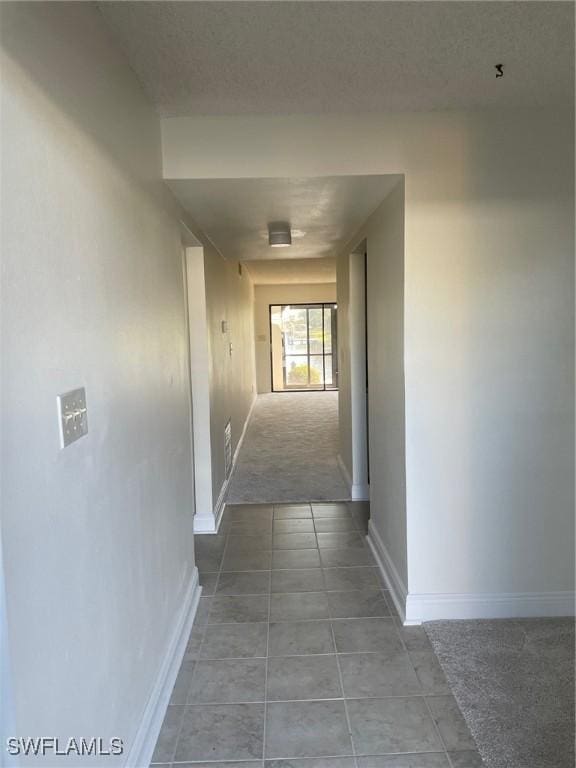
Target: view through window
x=303 y=347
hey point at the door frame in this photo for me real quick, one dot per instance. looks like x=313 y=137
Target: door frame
x=358 y=331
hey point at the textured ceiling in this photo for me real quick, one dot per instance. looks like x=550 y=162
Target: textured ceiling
x=292 y=271
x=200 y=58
x=324 y=212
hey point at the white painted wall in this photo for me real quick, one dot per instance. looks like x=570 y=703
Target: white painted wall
x=229 y=298
x=289 y=293
x=488 y=323
x=97 y=538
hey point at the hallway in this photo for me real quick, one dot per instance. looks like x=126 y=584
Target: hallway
x=290 y=451
x=296 y=653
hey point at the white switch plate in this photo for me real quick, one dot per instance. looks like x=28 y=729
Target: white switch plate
x=72 y=416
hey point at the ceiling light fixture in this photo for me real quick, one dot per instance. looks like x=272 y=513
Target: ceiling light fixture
x=279 y=234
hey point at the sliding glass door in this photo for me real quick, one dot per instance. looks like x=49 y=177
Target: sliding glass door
x=303 y=347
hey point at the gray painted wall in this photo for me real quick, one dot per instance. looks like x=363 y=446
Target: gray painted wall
x=229 y=298
x=97 y=538
x=488 y=320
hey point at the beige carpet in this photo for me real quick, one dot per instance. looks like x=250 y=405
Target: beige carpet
x=290 y=451
x=514 y=682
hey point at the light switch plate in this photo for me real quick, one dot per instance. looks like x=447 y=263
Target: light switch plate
x=72 y=416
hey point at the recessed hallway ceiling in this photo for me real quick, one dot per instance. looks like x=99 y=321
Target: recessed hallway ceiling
x=292 y=271
x=208 y=58
x=323 y=212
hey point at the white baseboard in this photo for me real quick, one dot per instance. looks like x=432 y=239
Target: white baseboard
x=357 y=492
x=414 y=608
x=142 y=748
x=500 y=605
x=345 y=474
x=344 y=471
x=205 y=524
x=211 y=523
x=360 y=492
x=392 y=578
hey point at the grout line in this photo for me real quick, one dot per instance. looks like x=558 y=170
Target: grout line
x=437 y=729
x=265 y=700
x=344 y=696
x=266 y=669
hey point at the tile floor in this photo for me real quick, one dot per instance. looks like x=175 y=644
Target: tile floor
x=297 y=659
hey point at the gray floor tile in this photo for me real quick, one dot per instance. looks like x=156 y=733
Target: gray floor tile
x=366 y=635
x=422 y=760
x=296 y=558
x=307 y=729
x=303 y=677
x=255 y=543
x=250 y=529
x=294 y=540
x=349 y=540
x=466 y=760
x=300 y=638
x=230 y=641
x=208 y=583
x=415 y=638
x=450 y=722
x=318 y=762
x=378 y=674
x=221 y=732
x=209 y=544
x=429 y=672
x=360 y=604
x=222 y=682
x=243 y=764
x=334 y=524
x=250 y=513
x=292 y=512
x=343 y=579
x=335 y=558
x=294 y=526
x=299 y=606
x=228 y=610
x=310 y=580
x=182 y=684
x=247 y=561
x=208 y=563
x=381 y=726
x=238 y=509
x=166 y=743
x=194 y=644
x=331 y=510
x=244 y=583
x=201 y=618
x=360 y=514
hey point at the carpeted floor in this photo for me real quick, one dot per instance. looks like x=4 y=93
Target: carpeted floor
x=514 y=682
x=290 y=451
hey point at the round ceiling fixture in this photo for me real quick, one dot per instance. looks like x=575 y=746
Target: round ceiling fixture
x=279 y=234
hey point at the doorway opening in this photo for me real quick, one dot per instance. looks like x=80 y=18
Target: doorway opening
x=304 y=347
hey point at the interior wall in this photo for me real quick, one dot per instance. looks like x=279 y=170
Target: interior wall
x=97 y=538
x=383 y=235
x=289 y=293
x=488 y=321
x=229 y=299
